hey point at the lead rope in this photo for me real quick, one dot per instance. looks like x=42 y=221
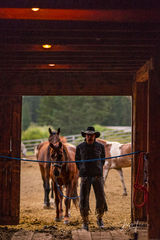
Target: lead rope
x=141 y=187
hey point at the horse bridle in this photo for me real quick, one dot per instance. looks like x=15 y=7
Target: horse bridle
x=59 y=157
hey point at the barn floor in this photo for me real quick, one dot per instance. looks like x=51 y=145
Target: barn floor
x=38 y=223
x=81 y=235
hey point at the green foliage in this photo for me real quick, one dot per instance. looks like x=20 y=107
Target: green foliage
x=29 y=110
x=99 y=128
x=26 y=116
x=75 y=113
x=35 y=132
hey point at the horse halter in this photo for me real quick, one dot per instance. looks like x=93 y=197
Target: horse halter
x=54 y=138
x=57 y=154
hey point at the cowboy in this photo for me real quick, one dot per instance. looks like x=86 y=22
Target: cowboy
x=91 y=173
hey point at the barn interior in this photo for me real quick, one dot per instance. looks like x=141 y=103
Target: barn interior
x=81 y=48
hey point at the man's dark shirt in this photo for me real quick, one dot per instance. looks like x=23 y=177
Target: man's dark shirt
x=86 y=151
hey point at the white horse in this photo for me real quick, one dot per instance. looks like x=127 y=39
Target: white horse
x=115 y=149
x=23 y=149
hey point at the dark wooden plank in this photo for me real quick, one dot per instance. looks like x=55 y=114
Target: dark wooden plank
x=83 y=4
x=112 y=15
x=10 y=169
x=72 y=67
x=118 y=235
x=106 y=235
x=96 y=235
x=84 y=235
x=70 y=49
x=51 y=83
x=75 y=235
x=42 y=236
x=23 y=234
x=142 y=74
x=5 y=119
x=154 y=150
x=139 y=123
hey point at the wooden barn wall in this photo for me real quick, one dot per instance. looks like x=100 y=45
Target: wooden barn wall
x=154 y=150
x=65 y=83
x=139 y=139
x=10 y=139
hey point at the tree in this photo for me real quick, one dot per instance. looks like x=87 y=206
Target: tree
x=75 y=113
x=26 y=116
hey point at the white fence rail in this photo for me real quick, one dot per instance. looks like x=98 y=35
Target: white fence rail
x=119 y=134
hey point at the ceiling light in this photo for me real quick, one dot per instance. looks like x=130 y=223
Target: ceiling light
x=52 y=65
x=46 y=46
x=35 y=9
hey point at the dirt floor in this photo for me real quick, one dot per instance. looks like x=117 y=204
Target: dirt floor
x=34 y=217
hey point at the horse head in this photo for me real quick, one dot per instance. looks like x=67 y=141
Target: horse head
x=54 y=136
x=56 y=155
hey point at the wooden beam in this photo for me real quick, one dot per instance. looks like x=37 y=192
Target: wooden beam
x=86 y=48
x=65 y=83
x=83 y=4
x=114 y=15
x=139 y=139
x=10 y=146
x=154 y=150
x=142 y=74
x=72 y=67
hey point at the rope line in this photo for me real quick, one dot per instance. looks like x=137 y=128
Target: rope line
x=58 y=188
x=87 y=160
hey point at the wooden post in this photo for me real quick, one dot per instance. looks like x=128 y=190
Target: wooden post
x=139 y=139
x=154 y=150
x=10 y=146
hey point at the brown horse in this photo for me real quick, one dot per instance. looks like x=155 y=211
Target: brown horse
x=64 y=173
x=42 y=154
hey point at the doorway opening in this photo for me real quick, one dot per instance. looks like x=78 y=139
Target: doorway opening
x=111 y=115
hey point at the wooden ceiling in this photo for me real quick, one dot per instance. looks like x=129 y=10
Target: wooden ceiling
x=116 y=36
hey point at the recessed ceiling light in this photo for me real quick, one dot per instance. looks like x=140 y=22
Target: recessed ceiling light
x=46 y=46
x=35 y=9
x=52 y=65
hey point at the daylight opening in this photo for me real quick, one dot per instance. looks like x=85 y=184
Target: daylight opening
x=111 y=116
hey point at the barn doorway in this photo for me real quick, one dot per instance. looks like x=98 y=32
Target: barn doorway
x=32 y=212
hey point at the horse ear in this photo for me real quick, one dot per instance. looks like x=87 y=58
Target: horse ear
x=50 y=131
x=58 y=131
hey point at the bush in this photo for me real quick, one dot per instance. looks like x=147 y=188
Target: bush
x=35 y=132
x=100 y=128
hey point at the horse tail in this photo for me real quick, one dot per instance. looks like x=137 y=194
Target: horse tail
x=75 y=194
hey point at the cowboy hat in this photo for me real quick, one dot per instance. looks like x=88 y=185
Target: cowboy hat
x=90 y=130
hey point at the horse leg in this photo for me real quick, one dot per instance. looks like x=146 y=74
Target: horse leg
x=45 y=187
x=46 y=193
x=122 y=180
x=52 y=202
x=58 y=200
x=67 y=203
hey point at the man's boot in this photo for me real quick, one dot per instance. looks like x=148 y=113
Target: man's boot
x=99 y=221
x=85 y=223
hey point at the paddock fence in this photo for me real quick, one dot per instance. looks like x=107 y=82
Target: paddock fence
x=113 y=134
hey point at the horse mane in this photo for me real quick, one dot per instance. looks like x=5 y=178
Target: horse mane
x=65 y=148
